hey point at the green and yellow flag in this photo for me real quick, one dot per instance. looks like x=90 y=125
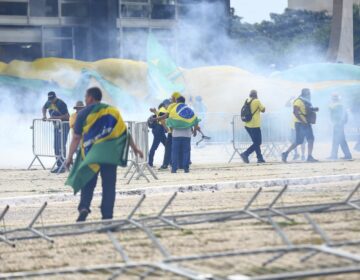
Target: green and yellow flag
x=182 y=116
x=104 y=141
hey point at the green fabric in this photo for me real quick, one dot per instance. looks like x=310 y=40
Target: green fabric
x=178 y=124
x=109 y=152
x=163 y=74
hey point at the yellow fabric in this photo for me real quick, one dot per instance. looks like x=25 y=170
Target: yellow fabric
x=72 y=120
x=163 y=110
x=53 y=107
x=301 y=105
x=171 y=107
x=176 y=95
x=117 y=131
x=256 y=108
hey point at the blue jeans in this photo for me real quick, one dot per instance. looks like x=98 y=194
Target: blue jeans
x=159 y=137
x=181 y=149
x=256 y=138
x=108 y=178
x=60 y=148
x=168 y=149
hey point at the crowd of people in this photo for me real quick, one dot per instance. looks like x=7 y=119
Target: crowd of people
x=304 y=117
x=173 y=124
x=98 y=130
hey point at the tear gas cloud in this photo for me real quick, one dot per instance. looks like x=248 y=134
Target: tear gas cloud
x=202 y=41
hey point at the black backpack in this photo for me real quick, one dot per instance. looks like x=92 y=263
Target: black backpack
x=246 y=114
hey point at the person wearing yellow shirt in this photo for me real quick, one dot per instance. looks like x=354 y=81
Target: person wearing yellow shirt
x=78 y=107
x=253 y=128
x=168 y=145
x=303 y=111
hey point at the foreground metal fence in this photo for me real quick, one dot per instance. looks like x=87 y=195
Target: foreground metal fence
x=347 y=261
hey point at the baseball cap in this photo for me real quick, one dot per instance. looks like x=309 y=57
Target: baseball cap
x=176 y=95
x=51 y=95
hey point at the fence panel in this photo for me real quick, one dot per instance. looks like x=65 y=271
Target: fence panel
x=49 y=139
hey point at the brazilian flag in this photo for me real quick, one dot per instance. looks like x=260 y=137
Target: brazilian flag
x=104 y=141
x=181 y=116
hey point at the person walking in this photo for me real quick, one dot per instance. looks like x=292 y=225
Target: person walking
x=103 y=138
x=254 y=108
x=58 y=110
x=339 y=119
x=304 y=116
x=184 y=123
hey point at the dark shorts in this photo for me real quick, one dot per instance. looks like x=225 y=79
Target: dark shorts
x=303 y=131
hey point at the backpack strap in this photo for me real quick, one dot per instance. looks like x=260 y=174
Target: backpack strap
x=252 y=114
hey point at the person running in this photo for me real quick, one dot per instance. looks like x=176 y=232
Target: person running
x=158 y=130
x=58 y=110
x=102 y=135
x=184 y=123
x=253 y=128
x=339 y=119
x=304 y=116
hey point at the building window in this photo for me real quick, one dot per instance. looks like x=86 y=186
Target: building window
x=13 y=9
x=44 y=8
x=75 y=8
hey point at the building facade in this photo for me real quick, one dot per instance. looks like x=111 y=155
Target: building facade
x=96 y=29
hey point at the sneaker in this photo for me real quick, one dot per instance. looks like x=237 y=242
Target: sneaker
x=311 y=159
x=55 y=170
x=261 y=161
x=245 y=158
x=173 y=171
x=187 y=171
x=284 y=157
x=163 y=167
x=82 y=215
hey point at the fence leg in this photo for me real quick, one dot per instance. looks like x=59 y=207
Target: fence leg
x=33 y=161
x=152 y=172
x=129 y=169
x=3 y=232
x=236 y=151
x=33 y=221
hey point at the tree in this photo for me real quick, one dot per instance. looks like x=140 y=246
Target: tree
x=290 y=38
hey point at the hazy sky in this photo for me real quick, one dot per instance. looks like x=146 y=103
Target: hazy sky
x=257 y=10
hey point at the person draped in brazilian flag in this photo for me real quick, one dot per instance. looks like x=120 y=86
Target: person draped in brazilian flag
x=103 y=138
x=183 y=122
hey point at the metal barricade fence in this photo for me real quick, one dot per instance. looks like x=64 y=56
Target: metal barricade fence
x=49 y=139
x=275 y=135
x=138 y=166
